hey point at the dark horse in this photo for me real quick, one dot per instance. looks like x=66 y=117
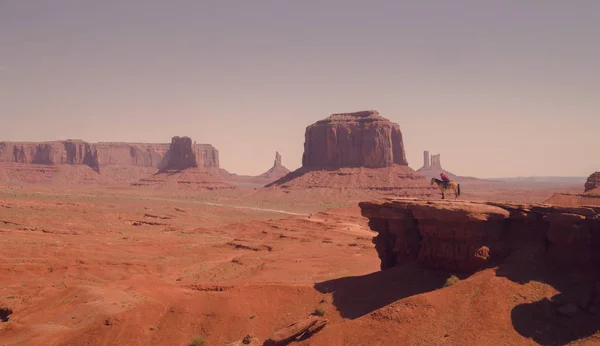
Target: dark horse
x=451 y=185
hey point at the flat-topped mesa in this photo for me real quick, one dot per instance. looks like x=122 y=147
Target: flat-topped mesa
x=150 y=154
x=360 y=139
x=593 y=182
x=467 y=236
x=181 y=155
x=69 y=152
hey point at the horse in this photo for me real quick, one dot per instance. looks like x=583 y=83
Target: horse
x=451 y=185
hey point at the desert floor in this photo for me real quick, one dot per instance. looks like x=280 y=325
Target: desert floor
x=124 y=266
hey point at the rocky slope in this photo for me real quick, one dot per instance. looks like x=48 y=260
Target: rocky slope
x=360 y=139
x=467 y=236
x=180 y=170
x=593 y=182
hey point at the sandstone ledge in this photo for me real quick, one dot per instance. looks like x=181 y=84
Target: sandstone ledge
x=465 y=236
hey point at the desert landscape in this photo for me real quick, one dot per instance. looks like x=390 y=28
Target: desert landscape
x=156 y=244
x=299 y=173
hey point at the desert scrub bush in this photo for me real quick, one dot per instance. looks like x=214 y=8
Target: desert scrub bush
x=198 y=341
x=451 y=280
x=319 y=312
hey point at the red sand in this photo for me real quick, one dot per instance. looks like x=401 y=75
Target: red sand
x=132 y=266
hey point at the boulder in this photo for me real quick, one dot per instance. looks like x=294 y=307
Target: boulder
x=297 y=331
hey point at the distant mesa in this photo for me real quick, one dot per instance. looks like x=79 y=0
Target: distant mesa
x=593 y=182
x=68 y=152
x=360 y=150
x=360 y=139
x=76 y=161
x=180 y=170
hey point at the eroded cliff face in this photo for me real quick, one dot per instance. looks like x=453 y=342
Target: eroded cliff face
x=360 y=139
x=101 y=154
x=71 y=152
x=467 y=236
x=181 y=155
x=593 y=182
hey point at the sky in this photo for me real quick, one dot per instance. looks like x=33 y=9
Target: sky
x=498 y=88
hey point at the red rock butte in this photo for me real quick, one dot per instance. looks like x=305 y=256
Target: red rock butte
x=359 y=139
x=360 y=150
x=593 y=182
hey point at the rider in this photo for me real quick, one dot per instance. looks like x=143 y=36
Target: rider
x=445 y=179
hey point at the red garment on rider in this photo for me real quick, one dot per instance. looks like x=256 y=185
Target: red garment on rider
x=445 y=177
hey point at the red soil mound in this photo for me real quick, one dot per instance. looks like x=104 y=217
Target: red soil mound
x=63 y=174
x=397 y=180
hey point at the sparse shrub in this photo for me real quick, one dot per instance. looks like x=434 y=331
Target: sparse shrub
x=319 y=312
x=198 y=341
x=451 y=280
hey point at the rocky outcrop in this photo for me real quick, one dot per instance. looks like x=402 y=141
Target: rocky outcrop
x=432 y=167
x=297 y=331
x=467 y=236
x=361 y=139
x=181 y=155
x=70 y=152
x=276 y=172
x=593 y=182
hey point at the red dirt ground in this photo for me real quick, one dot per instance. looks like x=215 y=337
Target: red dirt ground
x=131 y=266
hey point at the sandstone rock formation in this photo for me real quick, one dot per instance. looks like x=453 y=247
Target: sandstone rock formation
x=274 y=173
x=277 y=162
x=361 y=150
x=467 y=236
x=277 y=171
x=593 y=182
x=115 y=161
x=297 y=331
x=150 y=154
x=105 y=153
x=432 y=167
x=181 y=155
x=360 y=139
x=70 y=152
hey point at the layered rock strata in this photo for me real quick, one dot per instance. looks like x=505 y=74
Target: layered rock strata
x=467 y=236
x=71 y=152
x=360 y=139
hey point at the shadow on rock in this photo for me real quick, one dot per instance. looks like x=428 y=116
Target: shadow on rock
x=356 y=296
x=571 y=315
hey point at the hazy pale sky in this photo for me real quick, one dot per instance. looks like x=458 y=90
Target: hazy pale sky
x=498 y=88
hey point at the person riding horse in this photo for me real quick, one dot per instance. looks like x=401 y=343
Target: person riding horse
x=445 y=179
x=445 y=183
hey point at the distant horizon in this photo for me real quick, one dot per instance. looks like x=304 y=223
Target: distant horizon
x=293 y=169
x=497 y=88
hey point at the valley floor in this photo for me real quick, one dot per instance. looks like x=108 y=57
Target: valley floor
x=135 y=267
